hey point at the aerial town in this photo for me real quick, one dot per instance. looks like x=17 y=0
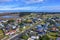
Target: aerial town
x=30 y=26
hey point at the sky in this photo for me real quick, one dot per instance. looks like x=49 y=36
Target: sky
x=29 y=5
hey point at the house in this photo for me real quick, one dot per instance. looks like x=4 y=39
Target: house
x=10 y=32
x=14 y=27
x=58 y=38
x=30 y=39
x=1 y=25
x=19 y=20
x=40 y=30
x=34 y=37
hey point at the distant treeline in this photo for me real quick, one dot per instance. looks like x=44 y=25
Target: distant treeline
x=24 y=13
x=42 y=13
x=27 y=13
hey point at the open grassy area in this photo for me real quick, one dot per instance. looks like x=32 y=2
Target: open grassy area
x=1 y=34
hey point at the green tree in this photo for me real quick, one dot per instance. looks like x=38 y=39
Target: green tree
x=10 y=21
x=25 y=37
x=20 y=24
x=45 y=37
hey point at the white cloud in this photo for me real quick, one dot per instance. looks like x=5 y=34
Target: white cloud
x=32 y=1
x=17 y=8
x=50 y=8
x=31 y=8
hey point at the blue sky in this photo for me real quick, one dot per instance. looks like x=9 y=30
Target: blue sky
x=29 y=5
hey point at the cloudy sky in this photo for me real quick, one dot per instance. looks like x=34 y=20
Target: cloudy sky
x=29 y=5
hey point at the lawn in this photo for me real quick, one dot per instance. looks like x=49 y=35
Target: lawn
x=1 y=34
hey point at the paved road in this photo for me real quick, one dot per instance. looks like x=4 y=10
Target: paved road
x=18 y=35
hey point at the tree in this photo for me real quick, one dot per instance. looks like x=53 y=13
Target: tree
x=25 y=37
x=45 y=37
x=10 y=21
x=20 y=24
